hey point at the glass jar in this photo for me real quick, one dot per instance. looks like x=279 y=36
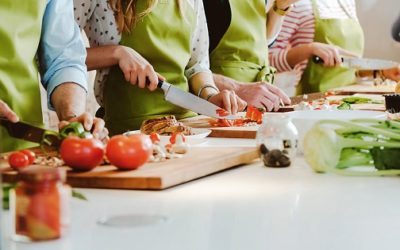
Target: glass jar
x=277 y=139
x=38 y=204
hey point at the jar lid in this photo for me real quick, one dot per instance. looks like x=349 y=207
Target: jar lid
x=277 y=116
x=42 y=174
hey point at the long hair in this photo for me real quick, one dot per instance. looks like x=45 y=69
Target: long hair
x=125 y=12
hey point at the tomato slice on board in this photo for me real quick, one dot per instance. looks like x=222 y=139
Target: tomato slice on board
x=255 y=114
x=155 y=137
x=222 y=112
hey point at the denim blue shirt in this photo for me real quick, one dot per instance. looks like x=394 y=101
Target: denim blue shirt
x=62 y=53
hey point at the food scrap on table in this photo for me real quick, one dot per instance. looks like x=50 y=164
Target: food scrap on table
x=166 y=125
x=253 y=117
x=175 y=149
x=343 y=104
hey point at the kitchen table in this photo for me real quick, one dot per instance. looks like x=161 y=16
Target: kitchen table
x=246 y=208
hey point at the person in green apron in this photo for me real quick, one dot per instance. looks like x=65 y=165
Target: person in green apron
x=345 y=35
x=239 y=34
x=156 y=43
x=41 y=30
x=327 y=29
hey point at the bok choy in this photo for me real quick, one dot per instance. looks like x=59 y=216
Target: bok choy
x=357 y=147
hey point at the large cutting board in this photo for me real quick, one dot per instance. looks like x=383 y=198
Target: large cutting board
x=199 y=162
x=202 y=121
x=365 y=88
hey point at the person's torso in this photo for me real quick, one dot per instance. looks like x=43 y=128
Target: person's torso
x=19 y=81
x=241 y=53
x=343 y=31
x=163 y=38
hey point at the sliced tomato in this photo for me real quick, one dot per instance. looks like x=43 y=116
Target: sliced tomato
x=174 y=136
x=222 y=112
x=255 y=114
x=155 y=137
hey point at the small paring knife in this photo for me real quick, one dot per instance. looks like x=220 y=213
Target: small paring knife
x=363 y=63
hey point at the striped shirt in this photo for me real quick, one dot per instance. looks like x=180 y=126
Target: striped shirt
x=298 y=27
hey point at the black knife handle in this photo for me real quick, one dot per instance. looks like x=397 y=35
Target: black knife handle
x=318 y=60
x=159 y=85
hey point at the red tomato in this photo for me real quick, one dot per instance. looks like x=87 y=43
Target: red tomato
x=129 y=152
x=154 y=137
x=18 y=160
x=31 y=155
x=82 y=154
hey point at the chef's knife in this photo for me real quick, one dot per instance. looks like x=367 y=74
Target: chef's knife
x=28 y=132
x=189 y=101
x=363 y=63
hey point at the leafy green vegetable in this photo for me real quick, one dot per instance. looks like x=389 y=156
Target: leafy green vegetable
x=344 y=106
x=338 y=146
x=78 y=195
x=360 y=100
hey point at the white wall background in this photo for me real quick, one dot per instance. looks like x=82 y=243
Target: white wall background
x=377 y=18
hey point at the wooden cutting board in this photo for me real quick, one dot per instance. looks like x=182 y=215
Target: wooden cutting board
x=367 y=88
x=199 y=162
x=202 y=121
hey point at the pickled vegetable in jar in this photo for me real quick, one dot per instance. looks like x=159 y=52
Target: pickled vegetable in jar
x=36 y=204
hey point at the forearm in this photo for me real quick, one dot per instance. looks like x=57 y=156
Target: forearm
x=274 y=25
x=69 y=100
x=199 y=80
x=225 y=83
x=102 y=56
x=298 y=54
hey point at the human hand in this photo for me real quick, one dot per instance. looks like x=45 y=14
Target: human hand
x=6 y=112
x=93 y=125
x=392 y=74
x=262 y=94
x=136 y=69
x=330 y=54
x=228 y=100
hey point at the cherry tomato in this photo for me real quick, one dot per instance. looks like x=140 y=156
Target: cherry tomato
x=31 y=155
x=129 y=152
x=82 y=154
x=172 y=139
x=18 y=160
x=155 y=137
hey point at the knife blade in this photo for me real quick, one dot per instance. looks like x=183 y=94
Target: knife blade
x=191 y=102
x=363 y=63
x=28 y=132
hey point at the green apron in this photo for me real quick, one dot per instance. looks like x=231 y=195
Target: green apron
x=163 y=37
x=242 y=53
x=344 y=33
x=19 y=82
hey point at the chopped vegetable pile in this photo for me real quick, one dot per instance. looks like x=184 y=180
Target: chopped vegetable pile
x=371 y=146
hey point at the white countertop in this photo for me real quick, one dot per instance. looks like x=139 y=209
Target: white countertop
x=247 y=208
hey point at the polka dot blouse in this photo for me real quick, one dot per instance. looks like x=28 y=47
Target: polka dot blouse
x=97 y=19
